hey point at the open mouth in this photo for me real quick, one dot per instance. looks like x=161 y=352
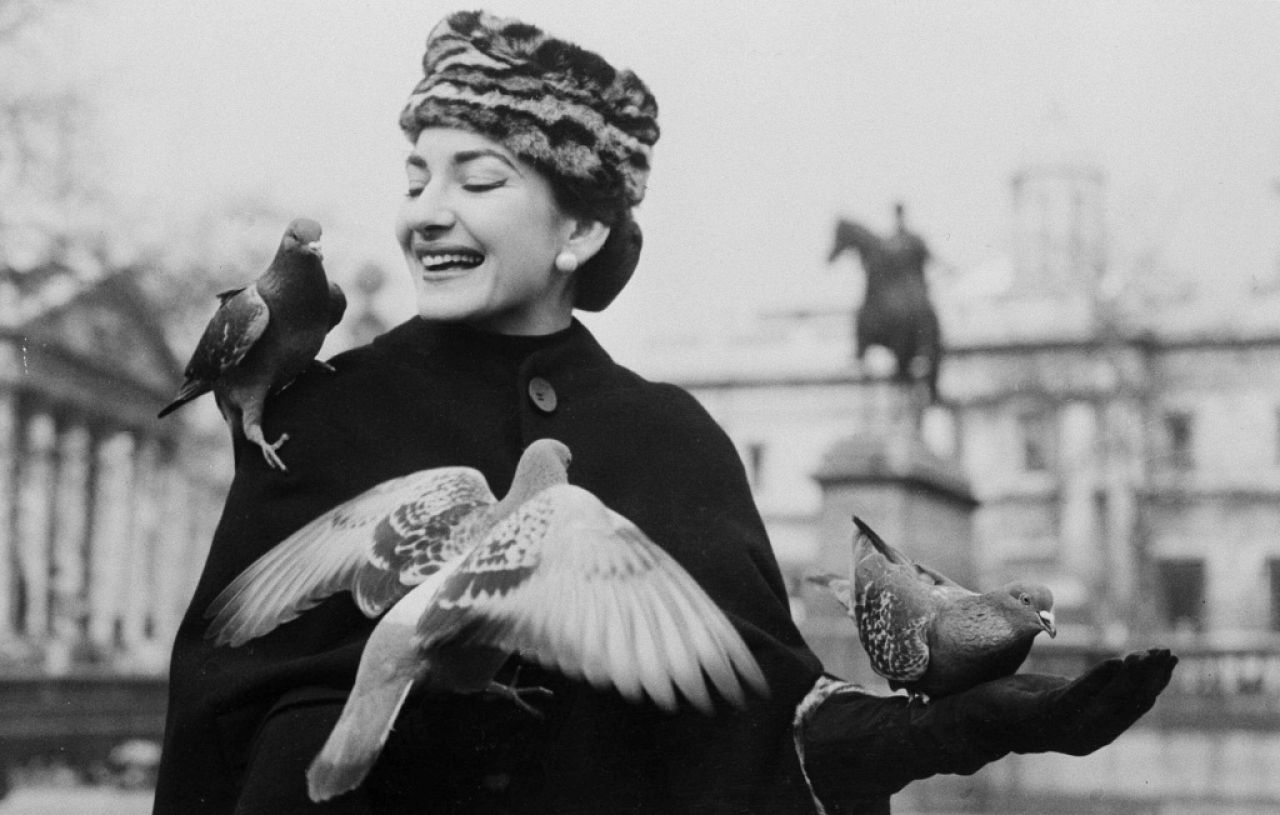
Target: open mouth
x=452 y=260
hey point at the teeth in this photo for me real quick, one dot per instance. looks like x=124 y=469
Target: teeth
x=437 y=262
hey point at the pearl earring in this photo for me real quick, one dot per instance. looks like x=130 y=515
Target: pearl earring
x=566 y=262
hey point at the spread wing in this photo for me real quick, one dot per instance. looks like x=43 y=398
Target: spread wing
x=234 y=328
x=376 y=545
x=567 y=582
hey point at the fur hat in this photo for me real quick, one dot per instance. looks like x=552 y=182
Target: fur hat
x=563 y=109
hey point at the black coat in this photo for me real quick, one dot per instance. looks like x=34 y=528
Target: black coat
x=427 y=395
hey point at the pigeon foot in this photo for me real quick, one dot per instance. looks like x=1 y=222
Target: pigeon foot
x=516 y=694
x=269 y=449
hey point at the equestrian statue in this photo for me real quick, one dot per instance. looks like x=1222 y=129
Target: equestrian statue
x=895 y=312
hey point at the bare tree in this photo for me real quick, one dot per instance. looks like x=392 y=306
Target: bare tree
x=57 y=216
x=41 y=125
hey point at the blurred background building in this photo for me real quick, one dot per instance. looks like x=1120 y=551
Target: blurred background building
x=1107 y=277
x=1116 y=443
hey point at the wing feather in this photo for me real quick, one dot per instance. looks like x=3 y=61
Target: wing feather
x=355 y=547
x=239 y=322
x=573 y=585
x=893 y=612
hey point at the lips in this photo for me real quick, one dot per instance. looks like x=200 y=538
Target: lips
x=447 y=259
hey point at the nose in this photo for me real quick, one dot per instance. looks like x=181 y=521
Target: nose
x=430 y=210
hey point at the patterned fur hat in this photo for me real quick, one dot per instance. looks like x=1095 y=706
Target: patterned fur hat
x=561 y=108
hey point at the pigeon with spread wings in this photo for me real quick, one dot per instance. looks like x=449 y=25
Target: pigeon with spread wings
x=549 y=572
x=265 y=334
x=926 y=633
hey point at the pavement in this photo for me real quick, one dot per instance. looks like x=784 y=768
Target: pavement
x=76 y=801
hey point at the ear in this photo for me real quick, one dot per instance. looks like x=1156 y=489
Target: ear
x=585 y=239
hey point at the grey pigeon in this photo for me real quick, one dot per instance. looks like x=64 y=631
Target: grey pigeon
x=548 y=572
x=929 y=635
x=265 y=334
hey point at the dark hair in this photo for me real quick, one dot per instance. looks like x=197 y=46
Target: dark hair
x=581 y=199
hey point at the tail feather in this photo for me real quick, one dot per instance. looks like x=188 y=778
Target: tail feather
x=357 y=739
x=191 y=389
x=867 y=535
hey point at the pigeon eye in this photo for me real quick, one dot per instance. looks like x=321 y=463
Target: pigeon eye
x=1026 y=601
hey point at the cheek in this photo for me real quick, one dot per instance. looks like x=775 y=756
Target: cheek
x=402 y=228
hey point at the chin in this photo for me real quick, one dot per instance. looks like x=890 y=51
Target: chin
x=447 y=303
x=435 y=310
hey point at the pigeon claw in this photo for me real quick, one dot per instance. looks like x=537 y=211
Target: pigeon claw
x=268 y=448
x=516 y=694
x=914 y=698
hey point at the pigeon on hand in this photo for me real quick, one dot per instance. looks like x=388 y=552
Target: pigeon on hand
x=929 y=635
x=265 y=334
x=549 y=572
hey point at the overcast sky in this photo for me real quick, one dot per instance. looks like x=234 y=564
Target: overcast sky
x=776 y=117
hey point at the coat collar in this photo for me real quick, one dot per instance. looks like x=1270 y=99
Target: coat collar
x=572 y=348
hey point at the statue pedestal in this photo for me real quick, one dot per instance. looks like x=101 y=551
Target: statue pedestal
x=916 y=500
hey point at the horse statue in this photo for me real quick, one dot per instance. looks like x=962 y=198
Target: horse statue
x=896 y=312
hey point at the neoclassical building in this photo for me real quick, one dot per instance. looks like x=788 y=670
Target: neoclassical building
x=104 y=511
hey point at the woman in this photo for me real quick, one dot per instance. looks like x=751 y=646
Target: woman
x=528 y=156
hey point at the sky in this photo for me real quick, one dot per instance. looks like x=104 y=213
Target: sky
x=776 y=118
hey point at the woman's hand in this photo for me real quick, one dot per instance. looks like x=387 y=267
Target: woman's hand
x=860 y=748
x=1033 y=713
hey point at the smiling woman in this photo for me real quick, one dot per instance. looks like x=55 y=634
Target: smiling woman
x=484 y=239
x=528 y=157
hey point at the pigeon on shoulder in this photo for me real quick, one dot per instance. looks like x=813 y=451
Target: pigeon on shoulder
x=263 y=335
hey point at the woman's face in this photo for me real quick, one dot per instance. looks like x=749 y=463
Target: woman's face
x=480 y=231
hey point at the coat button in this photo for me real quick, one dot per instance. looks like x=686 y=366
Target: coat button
x=542 y=394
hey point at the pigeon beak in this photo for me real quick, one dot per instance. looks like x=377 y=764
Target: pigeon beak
x=1048 y=624
x=314 y=248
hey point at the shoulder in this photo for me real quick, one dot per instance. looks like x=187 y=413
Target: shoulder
x=667 y=421
x=346 y=382
x=676 y=406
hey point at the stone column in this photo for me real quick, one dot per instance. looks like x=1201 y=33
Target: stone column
x=36 y=493
x=139 y=558
x=178 y=511
x=1082 y=553
x=8 y=507
x=71 y=528
x=1122 y=555
x=112 y=519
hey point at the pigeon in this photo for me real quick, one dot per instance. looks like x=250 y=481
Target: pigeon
x=929 y=635
x=549 y=572
x=265 y=334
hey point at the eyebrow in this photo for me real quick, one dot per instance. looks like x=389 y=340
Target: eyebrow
x=464 y=157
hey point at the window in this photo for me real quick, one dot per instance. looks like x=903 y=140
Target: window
x=1179 y=430
x=1038 y=440
x=1182 y=593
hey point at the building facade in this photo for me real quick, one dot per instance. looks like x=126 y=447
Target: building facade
x=1123 y=450
x=104 y=511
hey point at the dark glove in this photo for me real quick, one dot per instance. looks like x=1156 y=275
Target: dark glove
x=1030 y=713
x=860 y=748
